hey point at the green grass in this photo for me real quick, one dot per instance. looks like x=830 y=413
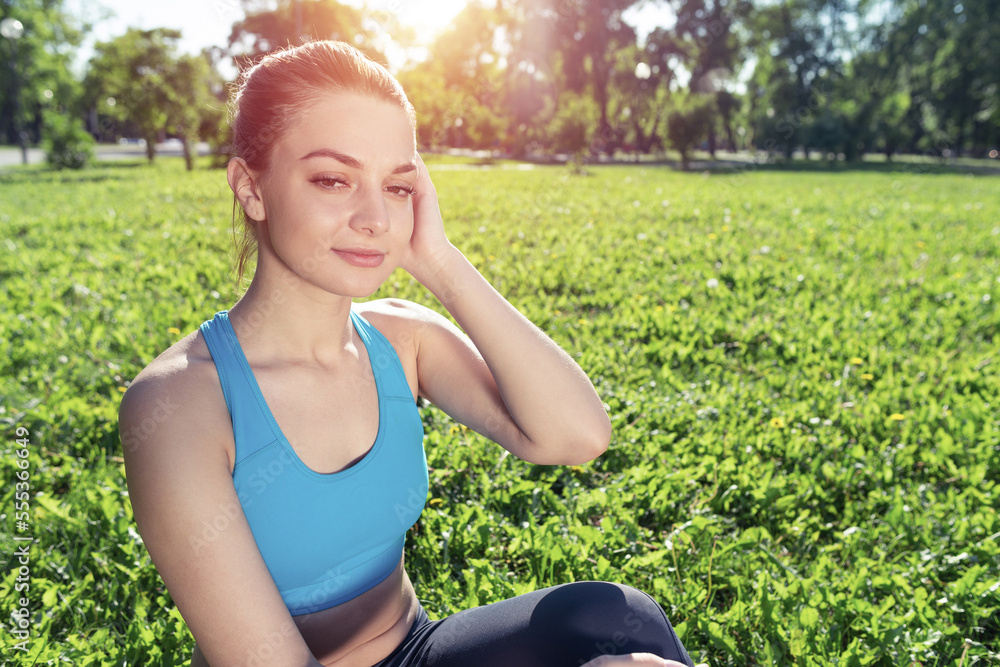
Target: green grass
x=801 y=369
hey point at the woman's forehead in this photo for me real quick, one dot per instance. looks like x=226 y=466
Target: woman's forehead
x=366 y=128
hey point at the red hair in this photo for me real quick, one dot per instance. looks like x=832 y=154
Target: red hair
x=271 y=93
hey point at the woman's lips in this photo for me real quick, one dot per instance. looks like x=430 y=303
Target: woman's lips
x=361 y=257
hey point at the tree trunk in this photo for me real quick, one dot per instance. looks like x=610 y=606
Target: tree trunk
x=188 y=157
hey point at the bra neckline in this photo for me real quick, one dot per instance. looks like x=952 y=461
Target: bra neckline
x=336 y=475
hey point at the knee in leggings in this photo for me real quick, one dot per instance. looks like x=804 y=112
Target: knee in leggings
x=620 y=606
x=623 y=619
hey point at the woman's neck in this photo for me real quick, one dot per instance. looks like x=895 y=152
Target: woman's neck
x=286 y=318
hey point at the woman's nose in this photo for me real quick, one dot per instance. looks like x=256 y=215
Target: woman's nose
x=370 y=214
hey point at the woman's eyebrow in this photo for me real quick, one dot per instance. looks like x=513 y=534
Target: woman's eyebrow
x=353 y=162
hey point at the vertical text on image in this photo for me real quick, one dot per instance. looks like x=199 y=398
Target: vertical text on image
x=20 y=615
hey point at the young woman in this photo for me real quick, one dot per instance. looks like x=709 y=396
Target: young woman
x=275 y=491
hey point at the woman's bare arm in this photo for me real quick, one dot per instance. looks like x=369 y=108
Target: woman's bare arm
x=174 y=429
x=511 y=381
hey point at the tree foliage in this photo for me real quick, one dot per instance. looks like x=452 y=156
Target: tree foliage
x=266 y=27
x=138 y=82
x=838 y=78
x=68 y=145
x=458 y=90
x=37 y=66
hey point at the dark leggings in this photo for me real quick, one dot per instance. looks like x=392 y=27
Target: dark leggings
x=562 y=626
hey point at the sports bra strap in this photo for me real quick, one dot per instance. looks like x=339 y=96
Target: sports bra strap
x=250 y=423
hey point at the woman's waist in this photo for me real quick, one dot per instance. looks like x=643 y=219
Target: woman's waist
x=365 y=629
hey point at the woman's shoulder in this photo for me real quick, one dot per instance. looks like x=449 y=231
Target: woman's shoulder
x=395 y=316
x=176 y=390
x=389 y=308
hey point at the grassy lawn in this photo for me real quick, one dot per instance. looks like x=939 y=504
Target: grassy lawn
x=801 y=368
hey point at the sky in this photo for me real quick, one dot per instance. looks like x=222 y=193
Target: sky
x=208 y=22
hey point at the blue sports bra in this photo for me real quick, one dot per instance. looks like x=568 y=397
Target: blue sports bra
x=326 y=538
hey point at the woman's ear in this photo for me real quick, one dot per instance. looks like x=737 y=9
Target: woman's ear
x=245 y=184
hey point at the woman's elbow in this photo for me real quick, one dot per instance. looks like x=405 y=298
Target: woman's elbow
x=584 y=444
x=598 y=438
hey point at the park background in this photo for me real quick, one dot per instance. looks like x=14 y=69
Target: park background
x=769 y=232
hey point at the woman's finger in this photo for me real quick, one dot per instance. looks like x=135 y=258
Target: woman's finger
x=633 y=659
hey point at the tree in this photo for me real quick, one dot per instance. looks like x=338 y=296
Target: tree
x=797 y=53
x=126 y=80
x=571 y=127
x=193 y=110
x=639 y=97
x=569 y=45
x=267 y=28
x=458 y=90
x=40 y=60
x=705 y=36
x=589 y=34
x=948 y=63
x=137 y=79
x=688 y=124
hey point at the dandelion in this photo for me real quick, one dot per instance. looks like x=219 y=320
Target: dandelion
x=712 y=283
x=778 y=422
x=867 y=376
x=174 y=330
x=435 y=502
x=712 y=236
x=121 y=389
x=897 y=417
x=857 y=361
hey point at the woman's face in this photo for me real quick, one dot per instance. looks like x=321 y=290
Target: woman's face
x=338 y=194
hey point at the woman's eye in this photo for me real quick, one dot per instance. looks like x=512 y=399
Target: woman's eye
x=401 y=190
x=329 y=182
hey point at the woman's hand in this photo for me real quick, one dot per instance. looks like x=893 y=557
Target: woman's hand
x=428 y=243
x=634 y=659
x=503 y=378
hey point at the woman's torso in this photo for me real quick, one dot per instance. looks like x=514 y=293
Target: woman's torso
x=367 y=628
x=360 y=632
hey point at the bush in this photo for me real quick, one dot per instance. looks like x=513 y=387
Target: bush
x=67 y=144
x=688 y=124
x=573 y=125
